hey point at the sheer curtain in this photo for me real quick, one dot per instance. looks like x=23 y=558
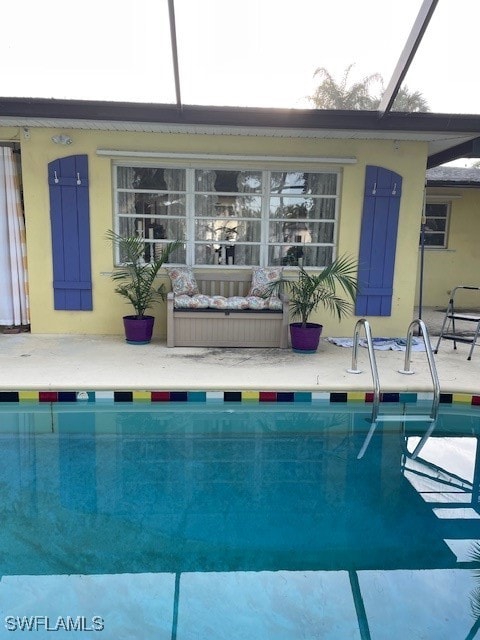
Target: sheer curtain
x=13 y=256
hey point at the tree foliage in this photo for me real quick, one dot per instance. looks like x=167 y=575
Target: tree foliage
x=365 y=94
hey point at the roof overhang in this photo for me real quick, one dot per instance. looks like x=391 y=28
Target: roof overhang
x=446 y=134
x=467 y=149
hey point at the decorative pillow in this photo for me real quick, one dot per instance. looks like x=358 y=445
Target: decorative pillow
x=183 y=281
x=257 y=303
x=237 y=302
x=191 y=302
x=262 y=278
x=218 y=302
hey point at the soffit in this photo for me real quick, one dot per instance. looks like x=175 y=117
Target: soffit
x=437 y=141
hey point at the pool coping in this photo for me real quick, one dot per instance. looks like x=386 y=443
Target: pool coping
x=238 y=396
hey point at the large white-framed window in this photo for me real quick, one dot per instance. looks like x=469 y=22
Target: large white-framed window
x=437 y=217
x=228 y=216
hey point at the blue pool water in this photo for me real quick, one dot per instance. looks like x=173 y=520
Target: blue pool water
x=237 y=521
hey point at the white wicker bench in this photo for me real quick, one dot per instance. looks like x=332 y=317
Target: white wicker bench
x=226 y=327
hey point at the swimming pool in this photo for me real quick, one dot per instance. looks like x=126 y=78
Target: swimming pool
x=238 y=521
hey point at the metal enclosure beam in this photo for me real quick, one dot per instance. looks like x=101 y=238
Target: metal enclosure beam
x=173 y=39
x=407 y=55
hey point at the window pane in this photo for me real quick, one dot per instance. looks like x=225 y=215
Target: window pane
x=304 y=208
x=323 y=209
x=233 y=254
x=228 y=181
x=301 y=232
x=227 y=230
x=152 y=178
x=150 y=204
x=228 y=206
x=179 y=256
x=249 y=182
x=434 y=240
x=295 y=182
x=169 y=229
x=153 y=251
x=436 y=224
x=437 y=209
x=307 y=255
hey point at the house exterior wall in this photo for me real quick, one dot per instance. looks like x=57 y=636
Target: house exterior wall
x=459 y=263
x=406 y=158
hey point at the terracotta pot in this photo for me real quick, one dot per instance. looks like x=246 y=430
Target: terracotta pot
x=305 y=339
x=138 y=330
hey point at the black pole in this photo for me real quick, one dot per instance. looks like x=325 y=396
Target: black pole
x=422 y=258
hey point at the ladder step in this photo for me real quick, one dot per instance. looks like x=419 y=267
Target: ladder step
x=457 y=338
x=413 y=417
x=463 y=316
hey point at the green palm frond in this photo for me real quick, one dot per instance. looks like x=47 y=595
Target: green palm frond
x=135 y=277
x=310 y=291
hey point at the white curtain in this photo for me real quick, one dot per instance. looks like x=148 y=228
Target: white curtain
x=14 y=308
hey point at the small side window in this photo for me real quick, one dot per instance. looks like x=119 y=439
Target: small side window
x=436 y=225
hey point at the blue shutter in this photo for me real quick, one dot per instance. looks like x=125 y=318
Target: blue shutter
x=70 y=225
x=378 y=242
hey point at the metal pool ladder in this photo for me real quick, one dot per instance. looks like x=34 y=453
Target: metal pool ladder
x=388 y=417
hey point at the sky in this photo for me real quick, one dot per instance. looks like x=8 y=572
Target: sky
x=250 y=53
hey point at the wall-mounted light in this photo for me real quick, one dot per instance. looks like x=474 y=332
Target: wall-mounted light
x=61 y=138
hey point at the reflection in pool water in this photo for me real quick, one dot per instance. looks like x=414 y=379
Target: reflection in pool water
x=240 y=522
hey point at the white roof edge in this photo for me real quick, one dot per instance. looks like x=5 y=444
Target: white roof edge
x=152 y=127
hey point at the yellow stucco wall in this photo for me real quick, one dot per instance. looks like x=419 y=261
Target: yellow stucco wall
x=459 y=263
x=406 y=158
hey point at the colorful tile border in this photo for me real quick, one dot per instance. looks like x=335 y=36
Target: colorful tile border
x=245 y=396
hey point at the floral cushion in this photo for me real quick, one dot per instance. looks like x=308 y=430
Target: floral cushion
x=237 y=302
x=200 y=301
x=257 y=303
x=275 y=304
x=218 y=302
x=262 y=278
x=183 y=281
x=191 y=302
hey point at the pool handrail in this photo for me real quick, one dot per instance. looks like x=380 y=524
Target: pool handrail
x=431 y=362
x=376 y=397
x=373 y=363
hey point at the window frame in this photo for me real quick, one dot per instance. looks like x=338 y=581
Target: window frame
x=266 y=218
x=448 y=207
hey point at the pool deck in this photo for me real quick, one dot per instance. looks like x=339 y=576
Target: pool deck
x=73 y=362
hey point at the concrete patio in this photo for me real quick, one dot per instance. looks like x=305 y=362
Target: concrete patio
x=76 y=362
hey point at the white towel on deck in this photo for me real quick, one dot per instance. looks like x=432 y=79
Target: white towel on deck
x=382 y=344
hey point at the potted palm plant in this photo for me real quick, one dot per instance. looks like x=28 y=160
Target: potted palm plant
x=135 y=280
x=310 y=291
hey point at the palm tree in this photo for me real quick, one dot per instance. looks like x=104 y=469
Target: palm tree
x=411 y=101
x=331 y=94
